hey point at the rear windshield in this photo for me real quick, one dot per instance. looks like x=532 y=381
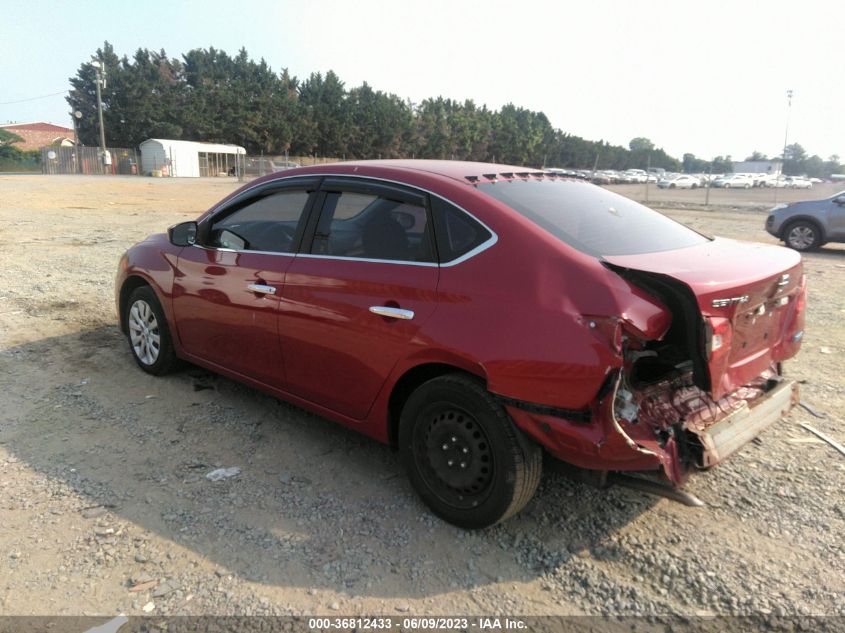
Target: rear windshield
x=593 y=220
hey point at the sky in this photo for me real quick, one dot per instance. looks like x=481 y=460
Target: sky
x=708 y=78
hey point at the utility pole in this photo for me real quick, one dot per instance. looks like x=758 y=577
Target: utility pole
x=98 y=67
x=789 y=94
x=647 y=174
x=76 y=115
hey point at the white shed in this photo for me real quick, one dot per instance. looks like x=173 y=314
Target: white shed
x=190 y=159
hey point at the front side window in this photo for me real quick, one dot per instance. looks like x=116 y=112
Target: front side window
x=591 y=219
x=268 y=224
x=369 y=226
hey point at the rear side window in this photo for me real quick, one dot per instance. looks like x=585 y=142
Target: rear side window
x=268 y=224
x=369 y=226
x=457 y=233
x=591 y=219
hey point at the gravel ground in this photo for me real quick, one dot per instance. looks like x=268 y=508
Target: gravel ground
x=106 y=509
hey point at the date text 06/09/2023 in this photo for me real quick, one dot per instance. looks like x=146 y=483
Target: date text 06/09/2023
x=361 y=623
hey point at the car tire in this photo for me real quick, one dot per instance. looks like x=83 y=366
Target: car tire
x=463 y=454
x=727 y=185
x=148 y=333
x=672 y=186
x=802 y=235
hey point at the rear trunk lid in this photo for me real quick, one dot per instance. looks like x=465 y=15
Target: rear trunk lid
x=748 y=297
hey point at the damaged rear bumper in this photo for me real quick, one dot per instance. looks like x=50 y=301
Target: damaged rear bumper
x=739 y=427
x=609 y=444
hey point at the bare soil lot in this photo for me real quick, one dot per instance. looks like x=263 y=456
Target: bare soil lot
x=102 y=467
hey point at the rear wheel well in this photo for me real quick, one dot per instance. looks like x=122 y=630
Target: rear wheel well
x=408 y=383
x=126 y=290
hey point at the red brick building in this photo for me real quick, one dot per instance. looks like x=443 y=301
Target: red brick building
x=39 y=134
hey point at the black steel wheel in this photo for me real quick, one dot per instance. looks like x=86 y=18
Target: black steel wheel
x=453 y=455
x=463 y=454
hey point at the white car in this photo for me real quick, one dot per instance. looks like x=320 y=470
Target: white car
x=735 y=181
x=797 y=182
x=682 y=181
x=637 y=175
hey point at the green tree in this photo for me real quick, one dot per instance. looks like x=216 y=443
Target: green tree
x=83 y=96
x=7 y=138
x=324 y=102
x=640 y=144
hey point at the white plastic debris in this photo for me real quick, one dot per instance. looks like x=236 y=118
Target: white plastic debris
x=223 y=473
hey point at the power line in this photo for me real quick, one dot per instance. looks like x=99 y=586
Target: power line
x=33 y=98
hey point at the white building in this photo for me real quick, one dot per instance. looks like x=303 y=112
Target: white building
x=770 y=167
x=190 y=159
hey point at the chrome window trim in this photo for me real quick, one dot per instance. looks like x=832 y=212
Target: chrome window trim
x=490 y=242
x=367 y=259
x=220 y=249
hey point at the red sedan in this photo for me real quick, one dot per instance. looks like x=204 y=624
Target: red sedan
x=475 y=316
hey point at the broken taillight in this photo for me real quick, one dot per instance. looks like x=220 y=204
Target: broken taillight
x=719 y=342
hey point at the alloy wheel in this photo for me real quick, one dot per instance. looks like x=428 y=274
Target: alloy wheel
x=801 y=237
x=144 y=333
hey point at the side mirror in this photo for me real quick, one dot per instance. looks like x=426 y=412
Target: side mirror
x=840 y=200
x=184 y=234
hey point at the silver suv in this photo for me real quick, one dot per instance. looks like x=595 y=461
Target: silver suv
x=809 y=224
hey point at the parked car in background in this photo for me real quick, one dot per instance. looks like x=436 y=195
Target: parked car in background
x=761 y=179
x=809 y=224
x=680 y=181
x=797 y=182
x=636 y=175
x=475 y=316
x=734 y=181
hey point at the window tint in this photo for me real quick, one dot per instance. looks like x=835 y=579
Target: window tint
x=372 y=227
x=457 y=233
x=593 y=220
x=268 y=224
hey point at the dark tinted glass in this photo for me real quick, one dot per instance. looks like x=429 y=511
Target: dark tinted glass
x=457 y=233
x=268 y=224
x=372 y=227
x=593 y=220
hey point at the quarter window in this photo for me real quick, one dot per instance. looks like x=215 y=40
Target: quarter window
x=369 y=226
x=457 y=233
x=268 y=224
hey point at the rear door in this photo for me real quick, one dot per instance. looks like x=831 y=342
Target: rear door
x=358 y=293
x=228 y=286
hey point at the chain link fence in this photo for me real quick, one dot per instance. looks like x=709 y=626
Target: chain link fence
x=263 y=164
x=89 y=160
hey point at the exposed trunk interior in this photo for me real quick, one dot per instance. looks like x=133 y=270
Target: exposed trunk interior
x=665 y=392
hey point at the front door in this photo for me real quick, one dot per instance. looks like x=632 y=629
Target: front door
x=836 y=228
x=357 y=295
x=227 y=288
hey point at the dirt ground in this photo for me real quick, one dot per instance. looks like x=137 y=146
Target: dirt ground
x=102 y=467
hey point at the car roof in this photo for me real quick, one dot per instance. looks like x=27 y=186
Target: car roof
x=462 y=171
